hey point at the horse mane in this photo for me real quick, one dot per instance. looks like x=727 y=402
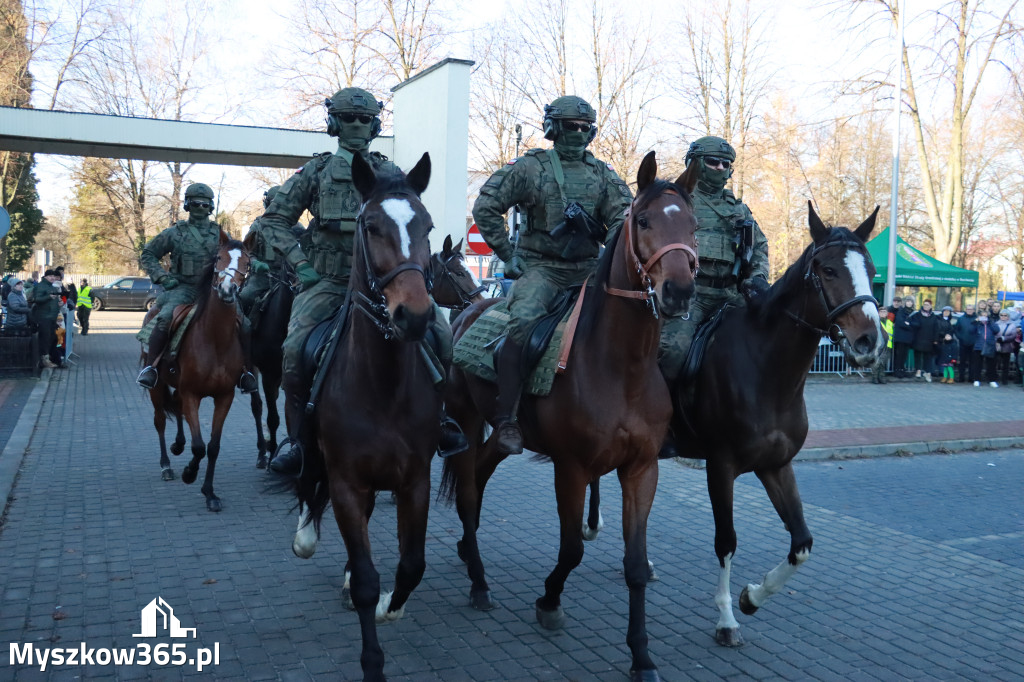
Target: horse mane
x=206 y=278
x=596 y=295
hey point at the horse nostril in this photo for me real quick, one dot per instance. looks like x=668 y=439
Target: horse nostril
x=865 y=344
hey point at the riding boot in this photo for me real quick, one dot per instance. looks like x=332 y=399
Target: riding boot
x=149 y=375
x=668 y=446
x=510 y=387
x=247 y=382
x=289 y=462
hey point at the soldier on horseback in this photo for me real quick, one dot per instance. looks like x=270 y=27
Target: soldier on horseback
x=733 y=251
x=191 y=245
x=324 y=187
x=264 y=258
x=573 y=203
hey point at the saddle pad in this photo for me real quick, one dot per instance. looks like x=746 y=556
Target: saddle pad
x=474 y=351
x=179 y=324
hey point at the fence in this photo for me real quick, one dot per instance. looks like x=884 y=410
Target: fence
x=830 y=360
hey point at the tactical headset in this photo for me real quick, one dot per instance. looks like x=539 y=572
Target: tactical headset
x=334 y=123
x=552 y=126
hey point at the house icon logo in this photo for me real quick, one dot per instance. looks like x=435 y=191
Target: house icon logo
x=159 y=614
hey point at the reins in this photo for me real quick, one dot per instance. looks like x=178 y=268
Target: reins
x=465 y=296
x=646 y=293
x=833 y=331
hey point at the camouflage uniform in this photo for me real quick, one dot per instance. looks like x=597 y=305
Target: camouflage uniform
x=719 y=214
x=263 y=254
x=544 y=182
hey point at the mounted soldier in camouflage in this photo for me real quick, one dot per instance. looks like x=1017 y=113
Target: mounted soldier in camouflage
x=191 y=244
x=733 y=251
x=264 y=259
x=573 y=203
x=324 y=187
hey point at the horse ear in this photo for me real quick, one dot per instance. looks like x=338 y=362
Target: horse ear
x=458 y=247
x=363 y=176
x=419 y=176
x=647 y=173
x=689 y=177
x=819 y=232
x=865 y=228
x=447 y=247
x=224 y=238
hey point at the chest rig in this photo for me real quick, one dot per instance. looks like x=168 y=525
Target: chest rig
x=194 y=246
x=717 y=230
x=337 y=210
x=558 y=184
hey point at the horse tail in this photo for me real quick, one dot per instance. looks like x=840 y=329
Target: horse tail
x=311 y=487
x=449 y=482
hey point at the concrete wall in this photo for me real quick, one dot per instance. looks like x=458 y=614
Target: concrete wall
x=432 y=115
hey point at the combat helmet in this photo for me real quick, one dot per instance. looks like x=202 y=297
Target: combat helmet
x=268 y=196
x=568 y=107
x=352 y=101
x=710 y=146
x=198 y=190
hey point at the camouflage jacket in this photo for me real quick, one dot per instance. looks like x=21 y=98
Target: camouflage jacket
x=717 y=232
x=323 y=187
x=191 y=246
x=530 y=181
x=260 y=246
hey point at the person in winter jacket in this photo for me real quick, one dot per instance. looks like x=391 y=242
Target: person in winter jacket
x=925 y=325
x=1006 y=335
x=903 y=336
x=947 y=347
x=878 y=373
x=984 y=349
x=18 y=310
x=963 y=329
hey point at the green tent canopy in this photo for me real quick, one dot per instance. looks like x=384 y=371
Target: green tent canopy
x=914 y=268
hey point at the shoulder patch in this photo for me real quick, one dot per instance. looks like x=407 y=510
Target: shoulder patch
x=511 y=161
x=610 y=167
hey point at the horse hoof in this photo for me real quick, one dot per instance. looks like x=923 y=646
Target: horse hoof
x=551 y=620
x=746 y=606
x=729 y=637
x=346 y=599
x=167 y=474
x=462 y=553
x=481 y=601
x=213 y=504
x=652 y=575
x=589 y=533
x=188 y=474
x=261 y=462
x=644 y=675
x=177 y=448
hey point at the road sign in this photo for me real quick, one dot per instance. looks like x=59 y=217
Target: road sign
x=475 y=242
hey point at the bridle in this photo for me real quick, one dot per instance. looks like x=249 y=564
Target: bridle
x=447 y=276
x=832 y=330
x=375 y=305
x=646 y=291
x=229 y=272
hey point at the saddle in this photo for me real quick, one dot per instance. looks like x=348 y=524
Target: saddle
x=695 y=355
x=316 y=343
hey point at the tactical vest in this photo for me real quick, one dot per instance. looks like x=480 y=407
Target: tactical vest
x=84 y=301
x=332 y=234
x=193 y=248
x=584 y=182
x=716 y=220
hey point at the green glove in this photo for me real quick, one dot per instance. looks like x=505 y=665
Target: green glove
x=307 y=275
x=257 y=266
x=168 y=282
x=514 y=268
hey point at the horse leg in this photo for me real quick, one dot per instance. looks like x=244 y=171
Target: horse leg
x=350 y=513
x=720 y=489
x=468 y=497
x=413 y=504
x=257 y=414
x=178 y=446
x=190 y=411
x=271 y=390
x=780 y=485
x=156 y=396
x=221 y=405
x=570 y=491
x=346 y=589
x=638 y=486
x=594 y=522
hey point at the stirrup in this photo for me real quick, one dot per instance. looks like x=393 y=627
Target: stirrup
x=247 y=382
x=453 y=440
x=148 y=377
x=288 y=463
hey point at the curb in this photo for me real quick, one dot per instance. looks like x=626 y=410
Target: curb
x=934 y=447
x=17 y=445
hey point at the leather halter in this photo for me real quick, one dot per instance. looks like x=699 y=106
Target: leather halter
x=833 y=331
x=647 y=293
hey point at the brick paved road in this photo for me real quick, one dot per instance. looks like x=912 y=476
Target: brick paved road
x=915 y=574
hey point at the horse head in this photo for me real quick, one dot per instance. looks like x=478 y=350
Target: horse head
x=455 y=285
x=841 y=271
x=230 y=267
x=392 y=242
x=659 y=230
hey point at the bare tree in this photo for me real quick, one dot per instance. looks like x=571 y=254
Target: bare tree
x=412 y=33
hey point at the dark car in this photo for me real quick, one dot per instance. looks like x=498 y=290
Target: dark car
x=127 y=293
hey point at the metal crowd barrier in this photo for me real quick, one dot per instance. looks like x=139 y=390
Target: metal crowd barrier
x=830 y=360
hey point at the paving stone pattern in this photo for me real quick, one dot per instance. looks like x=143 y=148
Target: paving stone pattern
x=898 y=586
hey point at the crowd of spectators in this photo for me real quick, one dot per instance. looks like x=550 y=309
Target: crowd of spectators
x=981 y=344
x=39 y=307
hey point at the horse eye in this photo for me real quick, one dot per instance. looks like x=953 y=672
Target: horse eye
x=829 y=272
x=642 y=222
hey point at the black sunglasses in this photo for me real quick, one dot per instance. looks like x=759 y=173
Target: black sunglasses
x=200 y=204
x=352 y=118
x=712 y=161
x=572 y=126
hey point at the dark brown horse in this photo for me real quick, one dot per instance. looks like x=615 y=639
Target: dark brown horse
x=376 y=425
x=208 y=365
x=749 y=412
x=607 y=412
x=455 y=285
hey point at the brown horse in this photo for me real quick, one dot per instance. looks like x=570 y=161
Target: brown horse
x=749 y=413
x=608 y=412
x=454 y=285
x=209 y=363
x=376 y=425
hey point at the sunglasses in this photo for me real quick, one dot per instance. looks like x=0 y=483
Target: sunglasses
x=352 y=118
x=712 y=161
x=572 y=126
x=200 y=204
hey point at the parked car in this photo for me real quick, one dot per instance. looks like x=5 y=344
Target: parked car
x=126 y=293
